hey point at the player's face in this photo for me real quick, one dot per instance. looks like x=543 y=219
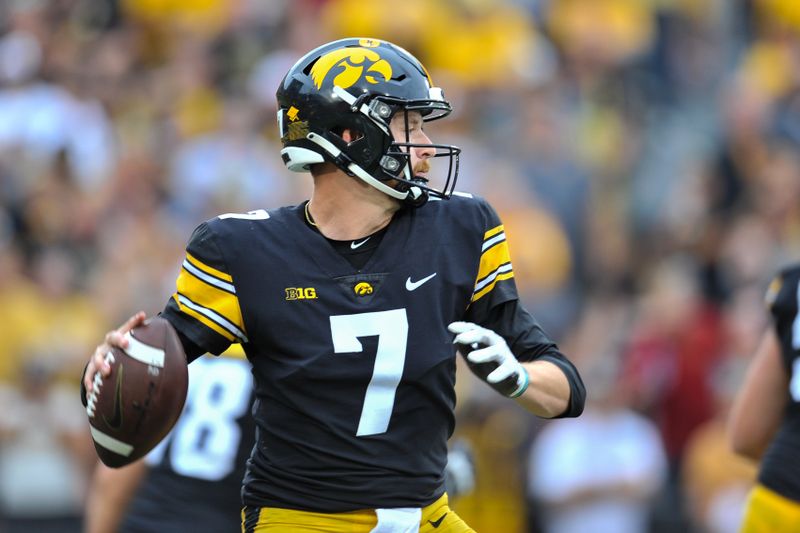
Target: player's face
x=415 y=134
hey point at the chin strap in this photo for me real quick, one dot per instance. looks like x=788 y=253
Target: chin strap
x=378 y=112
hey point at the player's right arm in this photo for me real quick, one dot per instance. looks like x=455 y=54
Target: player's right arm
x=758 y=407
x=110 y=493
x=205 y=309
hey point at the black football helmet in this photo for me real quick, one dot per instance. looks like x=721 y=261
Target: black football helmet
x=360 y=84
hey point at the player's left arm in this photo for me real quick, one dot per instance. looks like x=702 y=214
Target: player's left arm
x=511 y=352
x=109 y=494
x=503 y=344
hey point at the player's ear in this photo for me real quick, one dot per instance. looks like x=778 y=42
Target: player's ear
x=349 y=135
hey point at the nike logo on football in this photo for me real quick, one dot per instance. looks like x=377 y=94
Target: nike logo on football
x=414 y=285
x=116 y=419
x=354 y=244
x=438 y=522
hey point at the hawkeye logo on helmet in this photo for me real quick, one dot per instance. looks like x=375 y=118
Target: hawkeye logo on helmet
x=350 y=65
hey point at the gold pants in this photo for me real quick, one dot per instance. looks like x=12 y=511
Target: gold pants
x=769 y=512
x=436 y=518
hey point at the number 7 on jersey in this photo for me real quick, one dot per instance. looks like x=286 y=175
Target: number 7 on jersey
x=391 y=327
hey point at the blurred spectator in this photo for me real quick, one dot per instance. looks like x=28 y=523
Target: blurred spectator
x=597 y=473
x=44 y=453
x=674 y=344
x=491 y=45
x=37 y=118
x=717 y=482
x=230 y=169
x=47 y=317
x=497 y=435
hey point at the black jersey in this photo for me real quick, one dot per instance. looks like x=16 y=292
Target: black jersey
x=195 y=476
x=354 y=368
x=780 y=469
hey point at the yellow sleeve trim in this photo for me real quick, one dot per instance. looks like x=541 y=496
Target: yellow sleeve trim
x=211 y=297
x=492 y=258
x=492 y=232
x=487 y=289
x=207 y=269
x=205 y=321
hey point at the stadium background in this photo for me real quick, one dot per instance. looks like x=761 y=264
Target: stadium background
x=643 y=155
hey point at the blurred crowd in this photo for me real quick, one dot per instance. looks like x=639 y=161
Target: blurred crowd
x=643 y=155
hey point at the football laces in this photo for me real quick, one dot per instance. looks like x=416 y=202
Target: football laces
x=91 y=401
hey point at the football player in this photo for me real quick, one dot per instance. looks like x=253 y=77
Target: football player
x=765 y=418
x=191 y=481
x=348 y=305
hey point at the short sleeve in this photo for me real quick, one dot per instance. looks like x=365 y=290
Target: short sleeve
x=205 y=307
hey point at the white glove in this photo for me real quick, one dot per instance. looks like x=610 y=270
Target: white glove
x=490 y=358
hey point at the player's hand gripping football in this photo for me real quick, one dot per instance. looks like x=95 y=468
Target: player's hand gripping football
x=98 y=361
x=489 y=358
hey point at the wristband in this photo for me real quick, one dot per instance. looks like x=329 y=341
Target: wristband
x=523 y=387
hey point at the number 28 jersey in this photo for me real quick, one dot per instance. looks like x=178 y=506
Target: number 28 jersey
x=780 y=469
x=194 y=478
x=354 y=369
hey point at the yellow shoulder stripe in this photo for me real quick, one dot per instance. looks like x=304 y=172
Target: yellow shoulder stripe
x=492 y=258
x=203 y=320
x=488 y=288
x=210 y=297
x=207 y=269
x=492 y=232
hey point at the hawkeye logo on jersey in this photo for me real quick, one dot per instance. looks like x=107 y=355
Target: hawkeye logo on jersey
x=363 y=289
x=350 y=65
x=301 y=293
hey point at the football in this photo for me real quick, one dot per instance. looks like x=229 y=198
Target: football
x=132 y=409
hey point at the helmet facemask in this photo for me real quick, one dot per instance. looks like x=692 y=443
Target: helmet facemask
x=396 y=163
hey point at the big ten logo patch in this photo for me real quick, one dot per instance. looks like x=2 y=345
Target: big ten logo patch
x=301 y=293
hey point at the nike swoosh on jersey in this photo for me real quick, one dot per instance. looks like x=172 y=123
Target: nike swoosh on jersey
x=354 y=244
x=413 y=285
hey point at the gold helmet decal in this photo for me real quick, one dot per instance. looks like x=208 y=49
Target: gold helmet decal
x=350 y=65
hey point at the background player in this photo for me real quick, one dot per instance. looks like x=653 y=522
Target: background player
x=765 y=419
x=347 y=304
